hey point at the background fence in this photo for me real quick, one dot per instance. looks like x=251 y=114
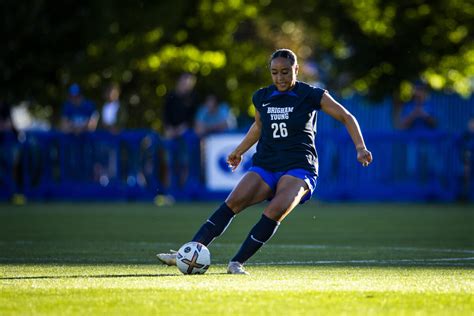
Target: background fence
x=138 y=164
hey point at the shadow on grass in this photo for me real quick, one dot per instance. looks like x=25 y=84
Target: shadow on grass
x=99 y=276
x=462 y=262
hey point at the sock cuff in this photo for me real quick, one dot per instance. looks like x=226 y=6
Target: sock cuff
x=264 y=229
x=227 y=209
x=269 y=221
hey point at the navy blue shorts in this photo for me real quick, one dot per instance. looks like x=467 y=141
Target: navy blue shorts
x=271 y=178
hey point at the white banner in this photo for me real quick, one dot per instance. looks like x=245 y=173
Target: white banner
x=219 y=177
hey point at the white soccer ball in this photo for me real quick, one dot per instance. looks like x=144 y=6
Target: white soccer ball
x=193 y=258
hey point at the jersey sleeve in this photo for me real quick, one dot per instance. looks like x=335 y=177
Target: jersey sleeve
x=316 y=95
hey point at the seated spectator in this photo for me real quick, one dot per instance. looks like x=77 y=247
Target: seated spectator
x=213 y=117
x=417 y=113
x=113 y=113
x=79 y=114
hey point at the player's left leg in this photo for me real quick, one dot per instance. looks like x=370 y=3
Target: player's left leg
x=290 y=191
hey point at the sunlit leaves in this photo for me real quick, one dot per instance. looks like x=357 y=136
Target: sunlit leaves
x=188 y=58
x=154 y=35
x=125 y=43
x=458 y=34
x=371 y=16
x=455 y=71
x=418 y=39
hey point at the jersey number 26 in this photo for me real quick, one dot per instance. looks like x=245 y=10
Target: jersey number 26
x=279 y=130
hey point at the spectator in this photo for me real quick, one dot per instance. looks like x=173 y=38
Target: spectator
x=417 y=113
x=179 y=112
x=11 y=168
x=113 y=112
x=79 y=114
x=417 y=116
x=213 y=117
x=467 y=157
x=180 y=107
x=6 y=124
x=113 y=117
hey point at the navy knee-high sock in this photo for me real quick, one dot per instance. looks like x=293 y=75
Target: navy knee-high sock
x=258 y=236
x=215 y=225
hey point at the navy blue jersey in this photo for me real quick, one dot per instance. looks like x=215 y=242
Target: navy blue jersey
x=288 y=127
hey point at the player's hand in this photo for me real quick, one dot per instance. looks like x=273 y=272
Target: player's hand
x=364 y=156
x=233 y=160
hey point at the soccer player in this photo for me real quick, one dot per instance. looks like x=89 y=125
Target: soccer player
x=285 y=165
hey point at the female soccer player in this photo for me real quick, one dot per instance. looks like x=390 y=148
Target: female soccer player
x=285 y=165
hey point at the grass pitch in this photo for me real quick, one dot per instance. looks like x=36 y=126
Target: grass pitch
x=326 y=259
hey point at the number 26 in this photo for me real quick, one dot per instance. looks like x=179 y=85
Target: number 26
x=279 y=130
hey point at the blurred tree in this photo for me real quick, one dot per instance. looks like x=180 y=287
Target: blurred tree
x=373 y=46
x=142 y=45
x=378 y=47
x=39 y=38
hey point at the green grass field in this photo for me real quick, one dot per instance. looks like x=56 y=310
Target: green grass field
x=326 y=259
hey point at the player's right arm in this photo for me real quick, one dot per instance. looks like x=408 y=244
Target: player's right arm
x=252 y=136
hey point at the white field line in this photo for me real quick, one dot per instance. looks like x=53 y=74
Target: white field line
x=307 y=246
x=415 y=249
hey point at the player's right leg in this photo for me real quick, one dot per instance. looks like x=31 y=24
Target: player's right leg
x=250 y=190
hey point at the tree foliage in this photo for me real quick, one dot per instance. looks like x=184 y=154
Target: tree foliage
x=371 y=46
x=382 y=46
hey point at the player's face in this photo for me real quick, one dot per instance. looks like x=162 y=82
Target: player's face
x=283 y=74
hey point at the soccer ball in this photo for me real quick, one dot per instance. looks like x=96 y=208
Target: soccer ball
x=193 y=258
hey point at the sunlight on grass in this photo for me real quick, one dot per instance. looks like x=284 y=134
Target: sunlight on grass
x=99 y=259
x=298 y=290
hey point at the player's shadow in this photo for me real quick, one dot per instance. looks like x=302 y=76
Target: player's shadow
x=85 y=276
x=101 y=276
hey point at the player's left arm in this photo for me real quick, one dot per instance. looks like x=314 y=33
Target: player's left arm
x=337 y=111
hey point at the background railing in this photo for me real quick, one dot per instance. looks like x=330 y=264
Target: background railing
x=407 y=166
x=139 y=165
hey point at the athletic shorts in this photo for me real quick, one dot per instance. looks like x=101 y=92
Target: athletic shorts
x=272 y=178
